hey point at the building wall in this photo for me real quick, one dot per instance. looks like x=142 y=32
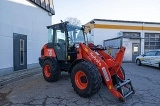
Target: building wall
x=128 y=44
x=104 y=30
x=104 y=34
x=22 y=17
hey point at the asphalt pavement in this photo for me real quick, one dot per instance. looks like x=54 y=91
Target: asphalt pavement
x=18 y=75
x=35 y=91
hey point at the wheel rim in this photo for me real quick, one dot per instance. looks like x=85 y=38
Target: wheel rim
x=46 y=71
x=81 y=80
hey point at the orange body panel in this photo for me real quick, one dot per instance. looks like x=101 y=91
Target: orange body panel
x=49 y=52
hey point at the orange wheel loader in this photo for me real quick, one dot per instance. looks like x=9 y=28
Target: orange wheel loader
x=88 y=64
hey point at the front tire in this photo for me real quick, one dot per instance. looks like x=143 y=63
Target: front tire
x=51 y=71
x=138 y=62
x=86 y=79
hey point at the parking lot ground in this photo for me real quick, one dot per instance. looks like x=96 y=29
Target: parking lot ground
x=35 y=91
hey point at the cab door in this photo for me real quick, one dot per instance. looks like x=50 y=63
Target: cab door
x=59 y=39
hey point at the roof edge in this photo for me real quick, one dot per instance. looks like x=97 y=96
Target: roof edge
x=125 y=21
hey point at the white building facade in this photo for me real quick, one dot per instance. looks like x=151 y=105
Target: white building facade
x=23 y=32
x=137 y=37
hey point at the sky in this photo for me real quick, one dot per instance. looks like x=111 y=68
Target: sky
x=86 y=10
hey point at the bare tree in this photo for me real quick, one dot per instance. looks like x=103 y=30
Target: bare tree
x=73 y=21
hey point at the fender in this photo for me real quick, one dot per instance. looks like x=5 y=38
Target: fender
x=49 y=52
x=74 y=63
x=53 y=59
x=46 y=53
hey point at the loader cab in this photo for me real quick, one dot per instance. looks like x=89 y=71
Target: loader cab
x=63 y=37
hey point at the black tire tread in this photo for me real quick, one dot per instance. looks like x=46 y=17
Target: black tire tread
x=55 y=72
x=139 y=61
x=94 y=77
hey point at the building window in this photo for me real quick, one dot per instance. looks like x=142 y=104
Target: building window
x=45 y=4
x=21 y=52
x=151 y=41
x=131 y=34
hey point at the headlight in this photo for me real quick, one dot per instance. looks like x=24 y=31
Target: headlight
x=76 y=45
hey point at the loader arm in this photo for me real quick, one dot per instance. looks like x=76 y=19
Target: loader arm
x=106 y=65
x=114 y=64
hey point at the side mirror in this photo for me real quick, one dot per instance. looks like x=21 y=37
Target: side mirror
x=143 y=55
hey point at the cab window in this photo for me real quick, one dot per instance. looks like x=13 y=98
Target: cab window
x=59 y=36
x=50 y=35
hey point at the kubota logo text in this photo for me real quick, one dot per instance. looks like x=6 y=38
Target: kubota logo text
x=95 y=59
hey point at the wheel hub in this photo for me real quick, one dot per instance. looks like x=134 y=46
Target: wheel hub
x=81 y=80
x=47 y=71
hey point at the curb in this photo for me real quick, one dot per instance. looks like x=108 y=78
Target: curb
x=16 y=78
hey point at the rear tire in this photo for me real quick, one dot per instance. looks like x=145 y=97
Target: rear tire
x=86 y=79
x=51 y=71
x=138 y=62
